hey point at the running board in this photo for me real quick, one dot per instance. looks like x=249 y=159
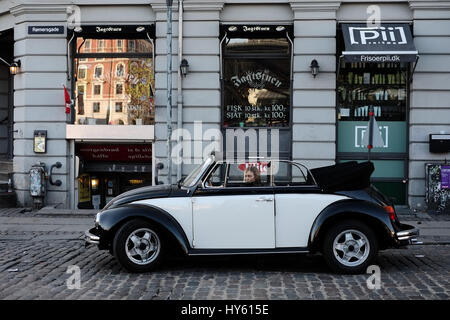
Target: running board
x=223 y=252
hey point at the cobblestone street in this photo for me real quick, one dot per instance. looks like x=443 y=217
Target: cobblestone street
x=38 y=270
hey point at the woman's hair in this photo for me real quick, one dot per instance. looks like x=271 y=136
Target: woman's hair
x=255 y=172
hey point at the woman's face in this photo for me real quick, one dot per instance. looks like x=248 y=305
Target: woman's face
x=249 y=176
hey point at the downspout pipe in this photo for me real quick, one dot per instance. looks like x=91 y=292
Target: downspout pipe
x=180 y=90
x=169 y=91
x=69 y=58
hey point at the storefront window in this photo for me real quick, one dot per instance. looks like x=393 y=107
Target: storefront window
x=113 y=45
x=381 y=86
x=257 y=89
x=114 y=72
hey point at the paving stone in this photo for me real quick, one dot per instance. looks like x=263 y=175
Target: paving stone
x=43 y=264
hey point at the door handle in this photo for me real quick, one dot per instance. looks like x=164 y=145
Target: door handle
x=264 y=199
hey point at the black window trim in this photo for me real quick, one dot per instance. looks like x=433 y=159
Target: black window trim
x=271 y=178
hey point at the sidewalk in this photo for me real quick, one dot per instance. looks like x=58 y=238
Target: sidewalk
x=67 y=224
x=24 y=224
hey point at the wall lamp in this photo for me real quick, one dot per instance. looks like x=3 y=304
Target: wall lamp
x=314 y=68
x=13 y=67
x=184 y=67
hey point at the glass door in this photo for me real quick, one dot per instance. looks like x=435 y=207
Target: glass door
x=382 y=87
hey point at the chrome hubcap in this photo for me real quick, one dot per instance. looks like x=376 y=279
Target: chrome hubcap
x=142 y=246
x=351 y=248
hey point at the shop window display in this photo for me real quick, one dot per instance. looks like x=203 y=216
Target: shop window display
x=257 y=87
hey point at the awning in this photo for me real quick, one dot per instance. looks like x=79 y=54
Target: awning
x=384 y=43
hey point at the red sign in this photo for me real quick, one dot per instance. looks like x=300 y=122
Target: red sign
x=261 y=166
x=129 y=153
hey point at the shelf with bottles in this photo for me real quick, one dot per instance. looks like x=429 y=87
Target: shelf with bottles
x=357 y=103
x=361 y=113
x=382 y=66
x=373 y=78
x=371 y=94
x=371 y=86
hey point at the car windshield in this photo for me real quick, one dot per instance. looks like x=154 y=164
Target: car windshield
x=193 y=177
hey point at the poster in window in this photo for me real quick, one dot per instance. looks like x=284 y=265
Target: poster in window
x=445 y=177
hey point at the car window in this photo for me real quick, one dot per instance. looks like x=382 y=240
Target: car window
x=216 y=179
x=249 y=174
x=243 y=174
x=193 y=177
x=289 y=174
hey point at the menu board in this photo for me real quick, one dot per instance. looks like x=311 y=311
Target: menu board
x=255 y=114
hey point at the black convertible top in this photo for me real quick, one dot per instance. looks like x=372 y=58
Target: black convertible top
x=344 y=176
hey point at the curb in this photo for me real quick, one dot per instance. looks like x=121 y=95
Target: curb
x=54 y=212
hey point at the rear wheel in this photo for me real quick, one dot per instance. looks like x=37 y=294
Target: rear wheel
x=349 y=247
x=138 y=246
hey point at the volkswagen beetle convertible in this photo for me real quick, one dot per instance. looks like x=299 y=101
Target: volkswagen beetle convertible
x=259 y=206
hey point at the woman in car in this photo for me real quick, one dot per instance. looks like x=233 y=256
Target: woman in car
x=252 y=176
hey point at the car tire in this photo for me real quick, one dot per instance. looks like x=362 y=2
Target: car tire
x=138 y=246
x=349 y=247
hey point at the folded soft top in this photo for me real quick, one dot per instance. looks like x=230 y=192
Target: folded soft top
x=344 y=176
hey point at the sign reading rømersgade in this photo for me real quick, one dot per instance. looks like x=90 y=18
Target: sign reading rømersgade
x=45 y=29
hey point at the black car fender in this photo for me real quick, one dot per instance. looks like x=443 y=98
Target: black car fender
x=372 y=214
x=110 y=221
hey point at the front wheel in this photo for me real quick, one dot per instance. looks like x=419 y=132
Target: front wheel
x=137 y=246
x=350 y=247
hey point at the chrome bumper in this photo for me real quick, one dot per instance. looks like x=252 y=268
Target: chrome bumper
x=408 y=235
x=91 y=238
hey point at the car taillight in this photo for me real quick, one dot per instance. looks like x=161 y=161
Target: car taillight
x=391 y=211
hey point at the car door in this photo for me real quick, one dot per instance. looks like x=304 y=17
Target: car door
x=229 y=214
x=298 y=202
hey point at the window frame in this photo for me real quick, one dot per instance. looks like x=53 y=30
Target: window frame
x=99 y=106
x=101 y=48
x=262 y=56
x=271 y=184
x=95 y=84
x=121 y=84
x=117 y=69
x=119 y=47
x=128 y=33
x=225 y=35
x=85 y=68
x=121 y=107
x=99 y=66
